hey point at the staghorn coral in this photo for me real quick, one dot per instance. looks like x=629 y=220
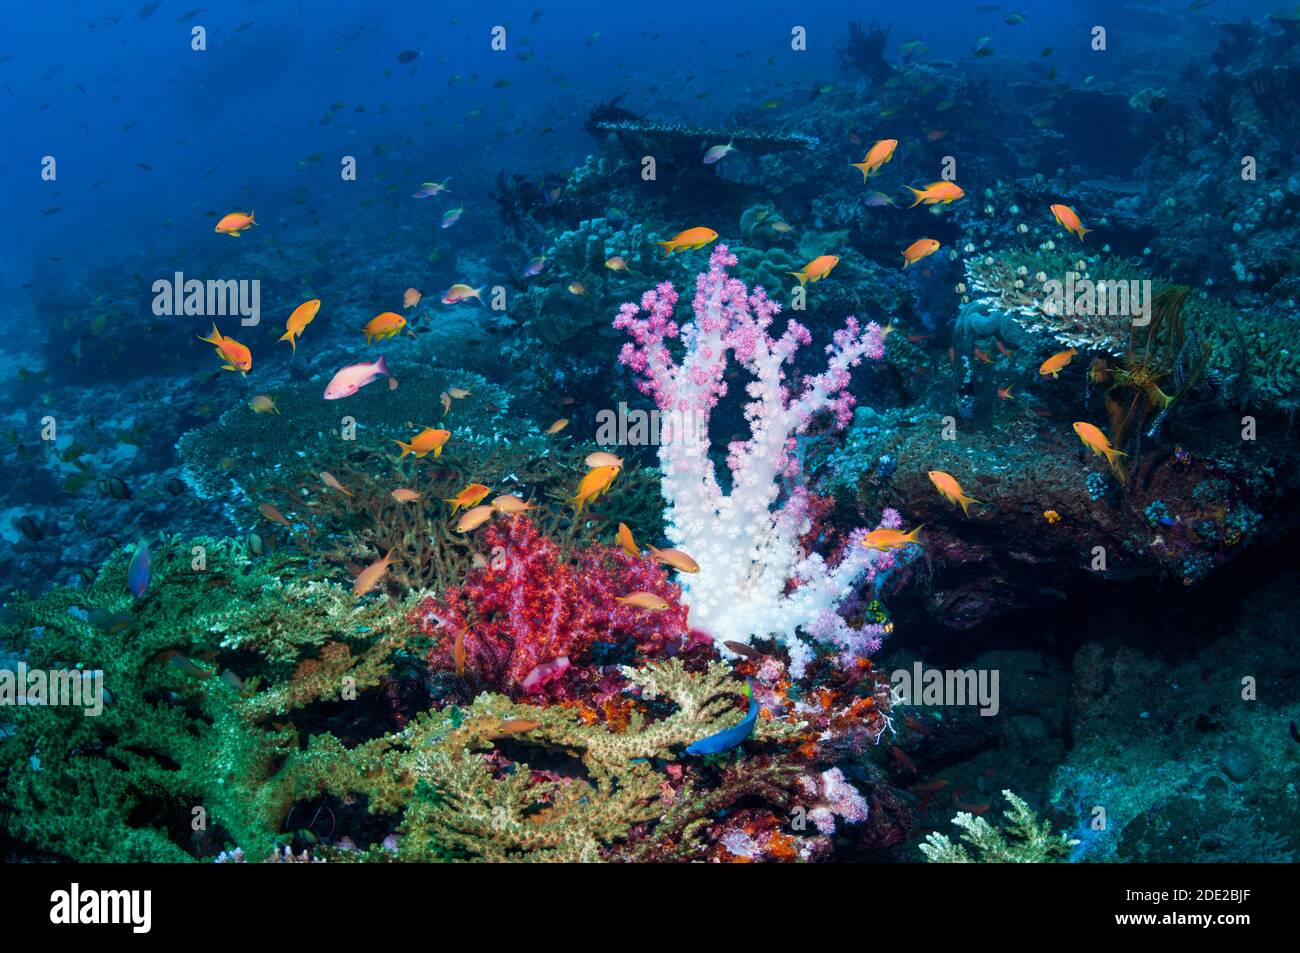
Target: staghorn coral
x=1024 y=839
x=530 y=815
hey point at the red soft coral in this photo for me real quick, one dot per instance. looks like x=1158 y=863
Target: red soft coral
x=528 y=608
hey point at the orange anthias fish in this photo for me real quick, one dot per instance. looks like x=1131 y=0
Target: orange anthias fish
x=950 y=489
x=876 y=157
x=689 y=240
x=237 y=357
x=1056 y=363
x=459 y=393
x=458 y=652
x=332 y=482
x=644 y=600
x=1097 y=442
x=472 y=495
x=382 y=326
x=918 y=250
x=625 y=539
x=885 y=539
x=597 y=481
x=369 y=577
x=234 y=223
x=936 y=193
x=515 y=726
x=557 y=426
x=1005 y=392
x=675 y=558
x=411 y=297
x=273 y=514
x=983 y=357
x=301 y=317
x=461 y=292
x=816 y=270
x=1069 y=221
x=510 y=504
x=474 y=518
x=426 y=440
x=405 y=495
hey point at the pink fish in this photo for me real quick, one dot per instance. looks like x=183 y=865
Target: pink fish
x=354 y=377
x=545 y=673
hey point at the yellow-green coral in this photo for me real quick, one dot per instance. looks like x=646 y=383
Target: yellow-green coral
x=1023 y=839
x=181 y=743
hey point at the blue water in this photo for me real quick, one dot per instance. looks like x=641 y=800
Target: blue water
x=102 y=89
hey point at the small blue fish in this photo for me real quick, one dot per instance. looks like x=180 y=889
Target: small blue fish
x=452 y=217
x=137 y=573
x=731 y=737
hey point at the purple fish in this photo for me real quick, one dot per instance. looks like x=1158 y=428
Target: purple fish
x=137 y=573
x=451 y=218
x=534 y=266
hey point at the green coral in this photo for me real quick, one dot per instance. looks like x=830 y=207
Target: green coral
x=1024 y=839
x=175 y=742
x=219 y=683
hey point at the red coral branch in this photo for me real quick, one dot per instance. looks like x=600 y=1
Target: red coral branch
x=527 y=609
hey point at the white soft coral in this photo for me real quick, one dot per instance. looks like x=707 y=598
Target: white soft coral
x=755 y=578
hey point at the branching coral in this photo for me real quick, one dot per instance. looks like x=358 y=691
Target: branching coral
x=1023 y=840
x=178 y=742
x=193 y=673
x=756 y=579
